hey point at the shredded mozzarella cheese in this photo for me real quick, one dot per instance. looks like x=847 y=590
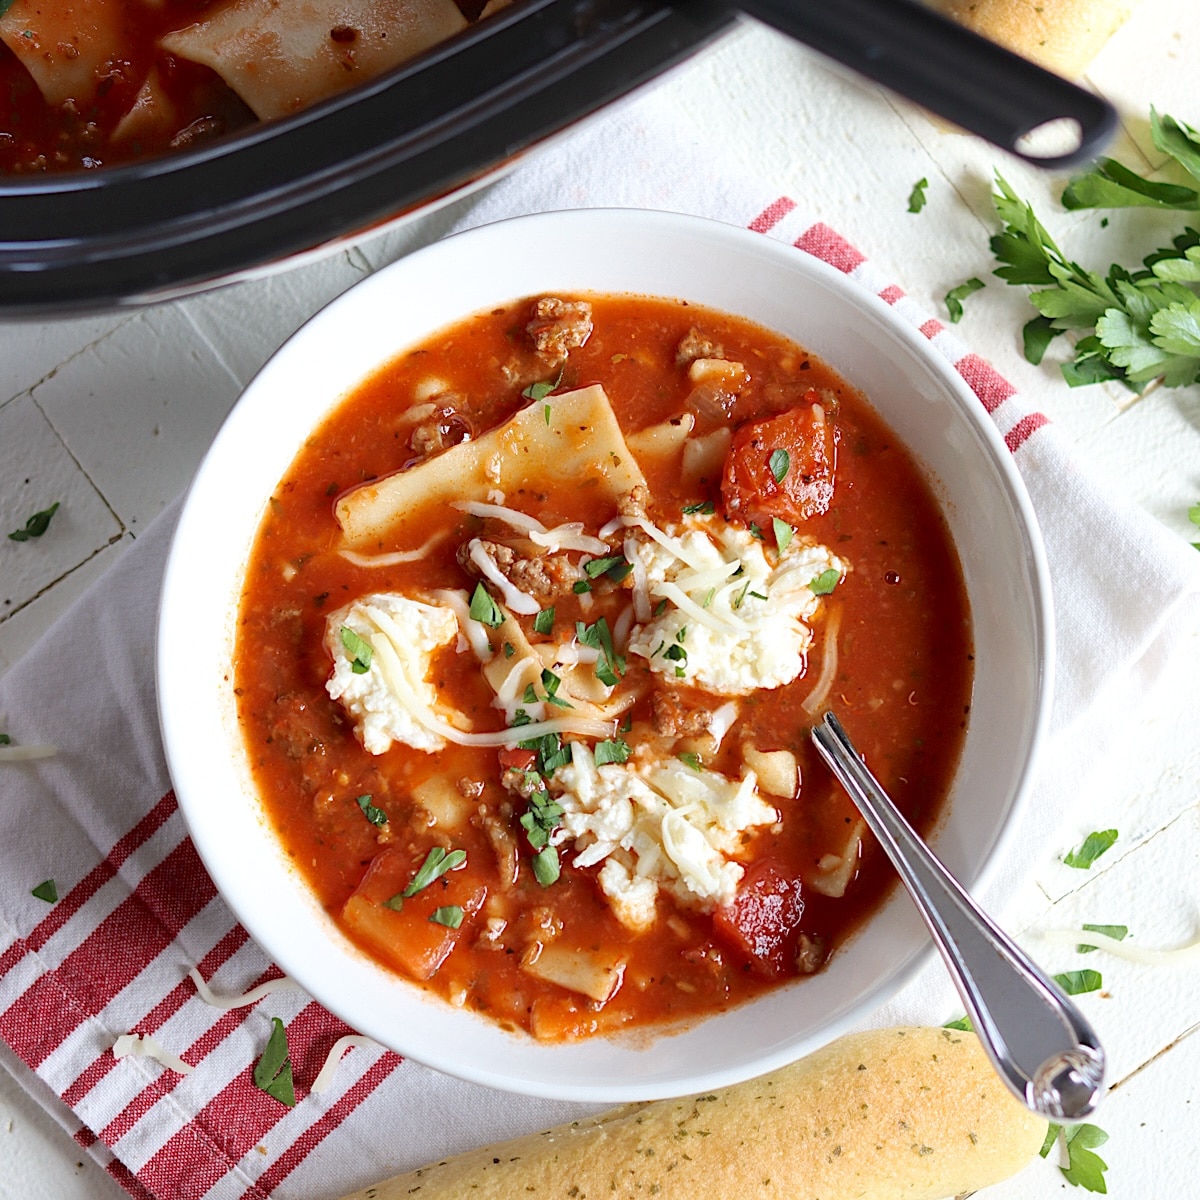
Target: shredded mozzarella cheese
x=1119 y=948
x=395 y=557
x=26 y=753
x=283 y=984
x=514 y=598
x=136 y=1045
x=568 y=536
x=329 y=1067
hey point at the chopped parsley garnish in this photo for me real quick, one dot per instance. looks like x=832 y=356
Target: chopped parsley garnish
x=484 y=609
x=46 y=890
x=824 y=583
x=539 y=391
x=1118 y=933
x=1084 y=1169
x=375 y=815
x=273 y=1073
x=359 y=650
x=551 y=682
x=36 y=525
x=437 y=863
x=678 y=655
x=544 y=621
x=610 y=666
x=1076 y=983
x=550 y=750
x=755 y=531
x=783 y=533
x=963 y=1023
x=530 y=695
x=615 y=567
x=779 y=462
x=613 y=751
x=580 y=586
x=704 y=507
x=691 y=759
x=450 y=915
x=736 y=603
x=955 y=297
x=546 y=412
x=546 y=867
x=1094 y=845
x=510 y=649
x=661 y=606
x=916 y=198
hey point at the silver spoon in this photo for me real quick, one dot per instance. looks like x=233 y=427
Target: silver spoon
x=1038 y=1041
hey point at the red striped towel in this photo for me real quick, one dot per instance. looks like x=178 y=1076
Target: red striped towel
x=136 y=909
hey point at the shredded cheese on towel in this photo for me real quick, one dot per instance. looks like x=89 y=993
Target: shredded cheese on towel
x=329 y=1068
x=1119 y=948
x=664 y=825
x=734 y=623
x=136 y=1045
x=13 y=754
x=283 y=984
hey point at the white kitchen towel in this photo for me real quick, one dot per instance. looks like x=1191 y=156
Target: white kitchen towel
x=136 y=909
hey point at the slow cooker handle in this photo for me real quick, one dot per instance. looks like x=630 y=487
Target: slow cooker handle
x=954 y=72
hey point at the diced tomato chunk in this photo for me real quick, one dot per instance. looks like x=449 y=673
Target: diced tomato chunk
x=782 y=466
x=403 y=933
x=762 y=923
x=523 y=760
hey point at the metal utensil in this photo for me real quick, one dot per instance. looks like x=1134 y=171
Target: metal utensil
x=1038 y=1041
x=950 y=70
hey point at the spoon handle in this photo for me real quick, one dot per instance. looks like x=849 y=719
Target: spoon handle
x=1037 y=1039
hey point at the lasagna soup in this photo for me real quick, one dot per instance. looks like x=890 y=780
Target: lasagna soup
x=533 y=634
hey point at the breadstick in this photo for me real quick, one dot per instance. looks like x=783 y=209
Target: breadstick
x=1062 y=35
x=891 y=1114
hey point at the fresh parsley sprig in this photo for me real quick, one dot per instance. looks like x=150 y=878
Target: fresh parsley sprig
x=1139 y=327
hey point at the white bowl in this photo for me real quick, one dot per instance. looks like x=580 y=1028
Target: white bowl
x=923 y=399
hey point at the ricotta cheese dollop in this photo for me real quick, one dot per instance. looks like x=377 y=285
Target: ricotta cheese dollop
x=387 y=706
x=660 y=825
x=733 y=622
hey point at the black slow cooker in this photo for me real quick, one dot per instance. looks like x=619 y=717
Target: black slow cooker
x=176 y=223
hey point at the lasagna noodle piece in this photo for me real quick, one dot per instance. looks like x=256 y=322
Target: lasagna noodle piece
x=571 y=441
x=280 y=57
x=1062 y=35
x=64 y=44
x=889 y=1114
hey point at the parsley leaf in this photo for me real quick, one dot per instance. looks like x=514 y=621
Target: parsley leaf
x=484 y=609
x=704 y=507
x=916 y=198
x=539 y=391
x=955 y=296
x=1094 y=845
x=36 y=525
x=450 y=915
x=546 y=867
x=1084 y=1168
x=823 y=584
x=610 y=666
x=544 y=621
x=359 y=650
x=608 y=566
x=783 y=533
x=1117 y=932
x=375 y=815
x=437 y=862
x=691 y=759
x=963 y=1023
x=1076 y=983
x=779 y=462
x=613 y=751
x=273 y=1073
x=46 y=890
